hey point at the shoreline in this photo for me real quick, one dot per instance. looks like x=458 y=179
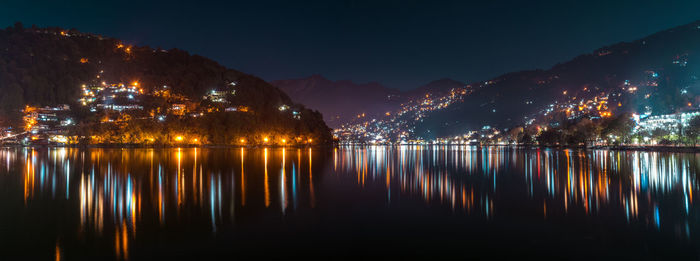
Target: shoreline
x=132 y=146
x=679 y=149
x=653 y=148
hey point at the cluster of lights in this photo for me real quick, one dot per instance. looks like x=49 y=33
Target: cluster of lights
x=398 y=125
x=105 y=96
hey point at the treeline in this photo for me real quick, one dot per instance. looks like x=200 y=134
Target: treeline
x=221 y=128
x=586 y=132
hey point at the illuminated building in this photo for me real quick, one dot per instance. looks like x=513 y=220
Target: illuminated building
x=219 y=96
x=46 y=118
x=669 y=122
x=114 y=97
x=178 y=109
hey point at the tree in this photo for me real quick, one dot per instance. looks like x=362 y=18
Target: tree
x=620 y=128
x=549 y=137
x=693 y=129
x=515 y=134
x=525 y=139
x=660 y=134
x=587 y=131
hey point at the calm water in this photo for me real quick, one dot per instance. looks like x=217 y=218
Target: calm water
x=403 y=201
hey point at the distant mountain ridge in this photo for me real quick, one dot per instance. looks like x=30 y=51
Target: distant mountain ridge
x=437 y=87
x=343 y=101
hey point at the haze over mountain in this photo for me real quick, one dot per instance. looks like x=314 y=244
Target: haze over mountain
x=437 y=87
x=344 y=101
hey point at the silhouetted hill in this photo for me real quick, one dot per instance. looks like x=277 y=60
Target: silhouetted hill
x=47 y=66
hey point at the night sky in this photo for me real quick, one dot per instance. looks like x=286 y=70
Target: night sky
x=401 y=44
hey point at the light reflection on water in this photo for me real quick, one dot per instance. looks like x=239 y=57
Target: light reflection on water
x=630 y=182
x=650 y=190
x=118 y=196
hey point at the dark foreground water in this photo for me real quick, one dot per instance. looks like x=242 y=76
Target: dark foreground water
x=409 y=201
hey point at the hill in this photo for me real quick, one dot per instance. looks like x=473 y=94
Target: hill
x=47 y=66
x=654 y=75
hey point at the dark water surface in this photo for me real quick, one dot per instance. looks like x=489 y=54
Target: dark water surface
x=411 y=201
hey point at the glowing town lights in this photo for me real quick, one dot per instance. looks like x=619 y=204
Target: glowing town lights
x=136 y=83
x=265 y=139
x=178 y=138
x=242 y=140
x=284 y=141
x=59 y=139
x=195 y=140
x=311 y=140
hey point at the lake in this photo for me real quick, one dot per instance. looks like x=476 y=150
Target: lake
x=410 y=201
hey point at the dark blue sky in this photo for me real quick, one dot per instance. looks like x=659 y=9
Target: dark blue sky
x=402 y=44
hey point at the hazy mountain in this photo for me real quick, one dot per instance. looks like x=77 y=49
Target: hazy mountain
x=342 y=101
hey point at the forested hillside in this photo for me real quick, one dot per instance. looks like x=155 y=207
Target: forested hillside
x=47 y=66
